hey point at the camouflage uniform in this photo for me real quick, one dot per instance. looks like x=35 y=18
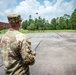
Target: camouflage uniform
x=16 y=53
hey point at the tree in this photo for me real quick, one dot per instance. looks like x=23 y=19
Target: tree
x=31 y=27
x=66 y=16
x=24 y=24
x=57 y=23
x=40 y=23
x=62 y=24
x=67 y=21
x=73 y=20
x=47 y=25
x=53 y=23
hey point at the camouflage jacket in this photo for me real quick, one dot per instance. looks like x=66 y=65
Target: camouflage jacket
x=16 y=53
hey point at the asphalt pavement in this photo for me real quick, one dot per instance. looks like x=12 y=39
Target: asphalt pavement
x=56 y=54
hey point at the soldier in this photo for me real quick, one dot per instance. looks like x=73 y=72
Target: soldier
x=16 y=49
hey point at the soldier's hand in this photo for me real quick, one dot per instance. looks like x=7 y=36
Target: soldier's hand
x=34 y=53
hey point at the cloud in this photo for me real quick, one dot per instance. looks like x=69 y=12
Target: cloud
x=64 y=7
x=49 y=9
x=27 y=7
x=6 y=7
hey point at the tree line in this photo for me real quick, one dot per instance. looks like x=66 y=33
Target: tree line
x=63 y=22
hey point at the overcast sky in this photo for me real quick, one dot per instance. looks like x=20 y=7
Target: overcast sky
x=45 y=8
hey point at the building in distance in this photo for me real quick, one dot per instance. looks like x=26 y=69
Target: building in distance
x=4 y=25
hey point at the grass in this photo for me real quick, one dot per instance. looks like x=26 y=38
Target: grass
x=3 y=31
x=41 y=31
x=60 y=30
x=23 y=31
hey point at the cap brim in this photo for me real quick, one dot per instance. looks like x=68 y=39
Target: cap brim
x=21 y=19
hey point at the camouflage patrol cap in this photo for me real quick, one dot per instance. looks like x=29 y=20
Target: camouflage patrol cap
x=14 y=18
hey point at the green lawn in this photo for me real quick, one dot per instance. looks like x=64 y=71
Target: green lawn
x=60 y=30
x=40 y=31
x=2 y=31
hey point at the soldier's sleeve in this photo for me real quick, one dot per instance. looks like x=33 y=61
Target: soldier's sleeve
x=26 y=53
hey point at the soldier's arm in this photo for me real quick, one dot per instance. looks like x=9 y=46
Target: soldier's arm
x=26 y=53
